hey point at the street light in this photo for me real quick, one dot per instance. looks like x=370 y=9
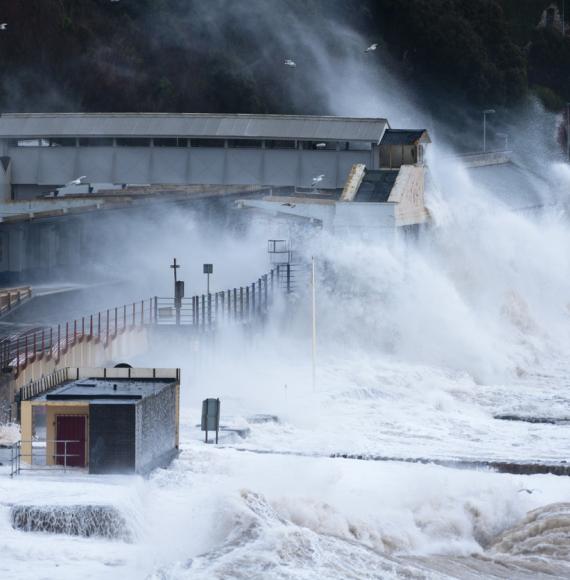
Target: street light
x=505 y=136
x=208 y=269
x=485 y=113
x=568 y=131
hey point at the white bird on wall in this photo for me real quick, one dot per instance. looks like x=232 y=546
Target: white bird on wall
x=318 y=179
x=4 y=26
x=372 y=47
x=77 y=181
x=289 y=62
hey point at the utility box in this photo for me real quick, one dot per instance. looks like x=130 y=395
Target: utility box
x=211 y=416
x=178 y=293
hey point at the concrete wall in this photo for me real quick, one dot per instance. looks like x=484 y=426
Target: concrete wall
x=49 y=166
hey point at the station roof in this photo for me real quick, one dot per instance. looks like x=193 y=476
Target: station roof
x=405 y=136
x=198 y=125
x=376 y=185
x=106 y=389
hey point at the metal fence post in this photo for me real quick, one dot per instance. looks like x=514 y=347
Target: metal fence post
x=142 y=312
x=74 y=331
x=241 y=303
x=247 y=302
x=107 y=329
x=288 y=278
x=116 y=320
x=58 y=340
x=66 y=336
x=203 y=311
x=91 y=326
x=155 y=309
x=99 y=325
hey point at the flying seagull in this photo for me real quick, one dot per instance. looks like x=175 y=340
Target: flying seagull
x=318 y=179
x=4 y=26
x=77 y=181
x=372 y=47
x=289 y=62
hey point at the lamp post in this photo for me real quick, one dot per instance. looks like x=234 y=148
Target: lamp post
x=568 y=131
x=208 y=269
x=505 y=136
x=485 y=113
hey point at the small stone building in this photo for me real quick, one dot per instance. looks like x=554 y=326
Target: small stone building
x=116 y=420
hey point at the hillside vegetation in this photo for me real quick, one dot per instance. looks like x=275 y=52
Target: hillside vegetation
x=191 y=55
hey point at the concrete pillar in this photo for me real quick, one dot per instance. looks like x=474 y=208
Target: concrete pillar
x=26 y=428
x=5 y=179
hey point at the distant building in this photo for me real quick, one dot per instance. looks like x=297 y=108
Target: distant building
x=117 y=420
x=376 y=198
x=551 y=18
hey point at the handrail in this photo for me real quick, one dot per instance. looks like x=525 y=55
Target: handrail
x=203 y=312
x=16 y=456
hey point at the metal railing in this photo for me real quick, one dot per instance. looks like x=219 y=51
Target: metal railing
x=242 y=304
x=12 y=297
x=203 y=312
x=19 y=350
x=42 y=465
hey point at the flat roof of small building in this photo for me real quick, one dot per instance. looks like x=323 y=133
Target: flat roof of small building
x=199 y=125
x=96 y=389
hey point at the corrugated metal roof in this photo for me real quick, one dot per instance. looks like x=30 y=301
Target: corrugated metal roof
x=22 y=125
x=403 y=136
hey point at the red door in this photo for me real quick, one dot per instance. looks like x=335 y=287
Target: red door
x=71 y=428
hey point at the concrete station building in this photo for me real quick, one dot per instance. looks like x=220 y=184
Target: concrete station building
x=359 y=159
x=115 y=420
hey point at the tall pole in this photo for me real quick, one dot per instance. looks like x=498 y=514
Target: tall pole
x=314 y=317
x=485 y=113
x=568 y=131
x=208 y=283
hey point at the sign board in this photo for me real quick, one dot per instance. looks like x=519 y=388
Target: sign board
x=166 y=312
x=208 y=268
x=210 y=414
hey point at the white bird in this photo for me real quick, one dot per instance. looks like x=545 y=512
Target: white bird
x=320 y=145
x=4 y=26
x=77 y=181
x=289 y=62
x=372 y=47
x=318 y=179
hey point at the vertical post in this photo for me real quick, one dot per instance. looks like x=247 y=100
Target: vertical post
x=82 y=327
x=314 y=329
x=216 y=297
x=26 y=349
x=265 y=289
x=66 y=336
x=247 y=302
x=288 y=278
x=35 y=347
x=278 y=276
x=223 y=302
x=51 y=341
x=58 y=340
x=203 y=311
x=235 y=303
x=91 y=326
x=194 y=313
x=74 y=331
x=125 y=317
x=142 y=312
x=253 y=298
x=107 y=329
x=116 y=321
x=209 y=310
x=134 y=313
x=155 y=309
x=43 y=341
x=259 y=298
x=241 y=303
x=99 y=325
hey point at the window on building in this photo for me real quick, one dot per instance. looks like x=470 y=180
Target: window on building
x=62 y=141
x=273 y=144
x=244 y=143
x=171 y=142
x=319 y=145
x=95 y=142
x=30 y=143
x=133 y=142
x=357 y=146
x=207 y=143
